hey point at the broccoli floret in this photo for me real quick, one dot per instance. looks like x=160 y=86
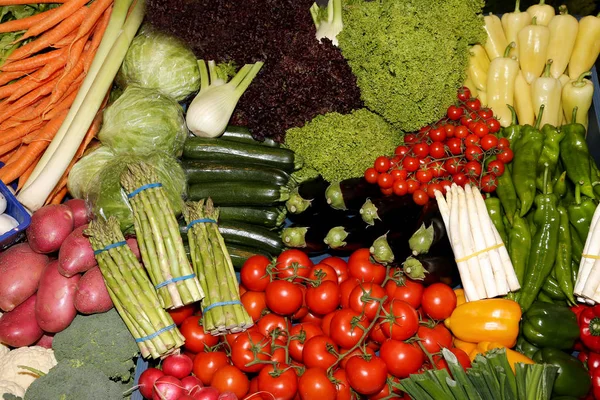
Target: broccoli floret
x=101 y=341
x=74 y=380
x=410 y=56
x=10 y=396
x=341 y=146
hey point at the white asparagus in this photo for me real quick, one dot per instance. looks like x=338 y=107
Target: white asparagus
x=586 y=264
x=591 y=265
x=511 y=276
x=480 y=244
x=444 y=208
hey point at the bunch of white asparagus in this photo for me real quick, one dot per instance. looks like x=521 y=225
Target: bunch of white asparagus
x=483 y=261
x=587 y=287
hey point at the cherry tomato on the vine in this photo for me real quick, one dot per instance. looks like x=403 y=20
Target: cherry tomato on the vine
x=250 y=347
x=435 y=339
x=324 y=298
x=367 y=375
x=367 y=298
x=410 y=138
x=485 y=113
x=255 y=304
x=206 y=364
x=460 y=179
x=437 y=150
x=439 y=300
x=503 y=143
x=506 y=155
x=449 y=130
x=420 y=150
x=438 y=134
x=494 y=125
x=347 y=328
x=454 y=145
x=293 y=262
x=314 y=384
x=278 y=380
x=410 y=163
x=432 y=188
x=401 y=358
x=196 y=339
x=420 y=197
x=496 y=167
x=461 y=132
x=273 y=325
x=454 y=113
x=481 y=129
x=454 y=165
x=381 y=164
x=413 y=185
x=400 y=187
x=424 y=175
x=228 y=378
x=283 y=297
x=401 y=150
x=361 y=267
x=464 y=94
x=400 y=320
x=371 y=175
x=472 y=140
x=399 y=173
x=299 y=335
x=473 y=104
x=489 y=142
x=254 y=273
x=489 y=183
x=316 y=352
x=473 y=168
x=385 y=180
x=473 y=153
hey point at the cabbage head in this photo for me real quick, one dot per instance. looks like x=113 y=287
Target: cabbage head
x=85 y=170
x=106 y=196
x=159 y=61
x=144 y=120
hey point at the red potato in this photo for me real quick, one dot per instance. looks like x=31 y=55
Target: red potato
x=20 y=272
x=76 y=254
x=55 y=308
x=50 y=226
x=92 y=295
x=80 y=211
x=19 y=327
x=133 y=245
x=45 y=341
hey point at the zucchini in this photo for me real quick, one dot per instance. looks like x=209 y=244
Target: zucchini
x=269 y=217
x=242 y=134
x=239 y=193
x=207 y=149
x=201 y=171
x=239 y=254
x=256 y=237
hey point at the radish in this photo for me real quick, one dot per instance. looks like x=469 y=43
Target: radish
x=186 y=397
x=133 y=245
x=167 y=388
x=81 y=214
x=76 y=254
x=146 y=381
x=191 y=382
x=177 y=365
x=49 y=227
x=92 y=295
x=55 y=308
x=227 y=396
x=206 y=393
x=19 y=327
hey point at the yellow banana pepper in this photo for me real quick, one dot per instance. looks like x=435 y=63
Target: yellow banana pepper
x=513 y=357
x=533 y=47
x=542 y=11
x=523 y=104
x=563 y=79
x=460 y=296
x=578 y=93
x=501 y=86
x=468 y=83
x=587 y=46
x=512 y=23
x=495 y=320
x=563 y=32
x=467 y=347
x=479 y=63
x=547 y=90
x=496 y=40
x=483 y=97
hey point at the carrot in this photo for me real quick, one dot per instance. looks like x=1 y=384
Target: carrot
x=64 y=82
x=23 y=178
x=20 y=2
x=15 y=156
x=97 y=36
x=8 y=147
x=96 y=12
x=25 y=23
x=50 y=37
x=60 y=14
x=18 y=131
x=20 y=88
x=65 y=41
x=30 y=63
x=6 y=77
x=63 y=59
x=29 y=98
x=58 y=197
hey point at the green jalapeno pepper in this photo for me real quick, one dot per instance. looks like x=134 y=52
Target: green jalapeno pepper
x=544 y=298
x=519 y=240
x=513 y=131
x=595 y=175
x=581 y=213
x=507 y=195
x=562 y=265
x=495 y=211
x=560 y=186
x=575 y=156
x=550 y=153
x=576 y=245
x=552 y=289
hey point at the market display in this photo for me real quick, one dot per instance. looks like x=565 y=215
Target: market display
x=284 y=200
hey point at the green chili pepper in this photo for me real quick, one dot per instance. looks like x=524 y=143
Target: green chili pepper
x=507 y=195
x=525 y=159
x=575 y=156
x=576 y=245
x=519 y=240
x=525 y=348
x=574 y=270
x=552 y=289
x=550 y=153
x=513 y=131
x=560 y=186
x=495 y=211
x=581 y=213
x=562 y=265
x=543 y=245
x=595 y=175
x=543 y=297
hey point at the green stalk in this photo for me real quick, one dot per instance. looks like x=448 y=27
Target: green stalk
x=456 y=389
x=146 y=349
x=247 y=80
x=204 y=80
x=414 y=390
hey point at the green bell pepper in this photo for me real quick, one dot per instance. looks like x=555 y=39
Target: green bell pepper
x=525 y=348
x=550 y=325
x=573 y=379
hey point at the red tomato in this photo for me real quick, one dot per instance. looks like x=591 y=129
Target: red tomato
x=413 y=185
x=433 y=188
x=346 y=288
x=347 y=328
x=435 y=339
x=437 y=135
x=454 y=113
x=364 y=298
x=323 y=272
x=356 y=352
x=231 y=337
x=439 y=300
x=371 y=175
x=461 y=132
x=410 y=163
x=400 y=187
x=316 y=353
x=421 y=150
x=437 y=150
x=407 y=290
x=381 y=164
x=299 y=335
x=385 y=180
x=454 y=145
x=424 y=175
x=472 y=140
x=273 y=325
x=473 y=153
x=230 y=379
x=254 y=303
x=342 y=386
x=250 y=347
x=303 y=310
x=461 y=355
x=376 y=334
x=401 y=320
x=339 y=265
x=401 y=150
x=312 y=318
x=180 y=314
x=366 y=375
x=489 y=183
x=485 y=113
x=503 y=143
x=473 y=104
x=481 y=130
x=460 y=179
x=494 y=125
x=489 y=142
x=506 y=156
x=496 y=167
x=324 y=298
x=464 y=94
x=281 y=382
x=420 y=197
x=278 y=354
x=314 y=384
x=254 y=273
x=293 y=262
x=206 y=364
x=473 y=169
x=361 y=267
x=402 y=359
x=326 y=323
x=410 y=138
x=195 y=338
x=454 y=165
x=283 y=297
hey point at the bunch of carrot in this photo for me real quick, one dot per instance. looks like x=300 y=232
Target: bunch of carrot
x=40 y=79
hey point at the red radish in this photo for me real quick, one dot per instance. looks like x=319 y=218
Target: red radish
x=191 y=382
x=133 y=245
x=227 y=396
x=167 y=388
x=45 y=341
x=206 y=393
x=50 y=226
x=177 y=365
x=20 y=272
x=186 y=397
x=146 y=381
x=76 y=254
x=55 y=308
x=19 y=327
x=92 y=295
x=81 y=214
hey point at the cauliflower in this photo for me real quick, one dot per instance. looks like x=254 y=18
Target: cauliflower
x=35 y=357
x=8 y=387
x=3 y=350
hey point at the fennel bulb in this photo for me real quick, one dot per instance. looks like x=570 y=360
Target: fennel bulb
x=328 y=21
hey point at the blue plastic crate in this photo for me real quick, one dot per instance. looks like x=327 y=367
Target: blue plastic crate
x=18 y=212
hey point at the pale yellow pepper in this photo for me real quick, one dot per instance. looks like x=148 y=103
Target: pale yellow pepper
x=483 y=97
x=587 y=46
x=547 y=90
x=512 y=23
x=501 y=86
x=564 y=79
x=523 y=104
x=513 y=357
x=478 y=66
x=542 y=11
x=495 y=320
x=578 y=93
x=533 y=47
x=563 y=33
x=468 y=83
x=496 y=40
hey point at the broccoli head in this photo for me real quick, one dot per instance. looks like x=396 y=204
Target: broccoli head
x=410 y=56
x=74 y=380
x=101 y=341
x=10 y=396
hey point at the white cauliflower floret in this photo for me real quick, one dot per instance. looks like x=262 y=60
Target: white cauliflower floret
x=8 y=387
x=34 y=357
x=3 y=350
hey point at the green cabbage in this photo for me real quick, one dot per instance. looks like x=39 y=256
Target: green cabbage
x=158 y=61
x=86 y=169
x=143 y=120
x=106 y=196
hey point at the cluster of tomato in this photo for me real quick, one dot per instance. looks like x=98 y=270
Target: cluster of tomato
x=334 y=330
x=461 y=148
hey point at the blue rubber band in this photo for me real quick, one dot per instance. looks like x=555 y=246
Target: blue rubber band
x=142 y=188
x=221 y=304
x=110 y=246
x=155 y=334
x=173 y=280
x=200 y=221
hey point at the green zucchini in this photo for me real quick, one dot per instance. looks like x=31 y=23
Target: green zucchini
x=206 y=149
x=256 y=237
x=239 y=254
x=201 y=171
x=243 y=135
x=269 y=217
x=239 y=193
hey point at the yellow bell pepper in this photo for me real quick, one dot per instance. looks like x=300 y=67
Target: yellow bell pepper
x=563 y=32
x=460 y=296
x=467 y=347
x=533 y=48
x=523 y=104
x=578 y=93
x=512 y=23
x=546 y=90
x=501 y=86
x=587 y=46
x=513 y=357
x=477 y=69
x=495 y=320
x=496 y=40
x=542 y=11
